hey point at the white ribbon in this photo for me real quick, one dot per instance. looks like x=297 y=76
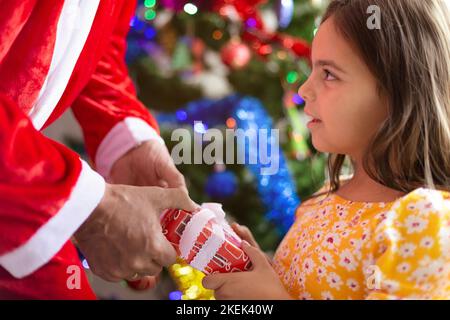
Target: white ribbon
x=209 y=249
x=195 y=226
x=193 y=229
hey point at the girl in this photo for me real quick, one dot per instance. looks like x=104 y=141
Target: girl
x=380 y=97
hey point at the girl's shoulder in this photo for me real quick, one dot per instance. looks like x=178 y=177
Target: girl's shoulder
x=424 y=199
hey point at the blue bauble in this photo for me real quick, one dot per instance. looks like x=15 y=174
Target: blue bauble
x=221 y=185
x=285 y=12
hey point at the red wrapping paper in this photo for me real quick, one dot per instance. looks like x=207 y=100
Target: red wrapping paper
x=208 y=242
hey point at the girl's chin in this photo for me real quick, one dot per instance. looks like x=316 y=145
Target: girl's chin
x=319 y=145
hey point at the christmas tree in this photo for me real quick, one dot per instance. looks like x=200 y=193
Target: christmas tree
x=183 y=52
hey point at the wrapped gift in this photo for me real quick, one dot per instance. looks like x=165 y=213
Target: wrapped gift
x=204 y=239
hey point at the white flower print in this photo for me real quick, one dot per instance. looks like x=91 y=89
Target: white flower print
x=356 y=243
x=407 y=250
x=352 y=284
x=365 y=236
x=425 y=206
x=326 y=295
x=426 y=287
x=338 y=226
x=391 y=285
x=301 y=280
x=306 y=244
x=347 y=260
x=331 y=240
x=334 y=280
x=326 y=259
x=427 y=242
x=420 y=275
x=381 y=216
x=437 y=266
x=324 y=223
x=308 y=265
x=297 y=244
x=286 y=278
x=355 y=220
x=368 y=205
x=342 y=213
x=305 y=296
x=425 y=261
x=325 y=211
x=403 y=267
x=318 y=235
x=415 y=224
x=320 y=272
x=295 y=271
x=345 y=233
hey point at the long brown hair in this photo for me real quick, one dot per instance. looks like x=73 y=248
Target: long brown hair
x=410 y=58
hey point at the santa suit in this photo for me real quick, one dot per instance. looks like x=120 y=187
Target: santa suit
x=56 y=54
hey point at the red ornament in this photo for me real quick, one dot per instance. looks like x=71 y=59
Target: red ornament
x=204 y=239
x=235 y=54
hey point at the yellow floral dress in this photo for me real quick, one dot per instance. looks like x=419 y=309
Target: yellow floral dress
x=339 y=249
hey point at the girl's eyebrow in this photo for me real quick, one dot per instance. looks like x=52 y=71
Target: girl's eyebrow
x=330 y=63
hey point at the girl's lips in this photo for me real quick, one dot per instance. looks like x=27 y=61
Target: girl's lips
x=313 y=122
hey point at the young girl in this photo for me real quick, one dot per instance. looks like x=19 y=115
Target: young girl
x=380 y=97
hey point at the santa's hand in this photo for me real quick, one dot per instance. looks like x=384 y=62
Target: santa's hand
x=261 y=283
x=122 y=239
x=149 y=164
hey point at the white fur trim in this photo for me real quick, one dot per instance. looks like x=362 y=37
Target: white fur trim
x=124 y=136
x=73 y=28
x=50 y=238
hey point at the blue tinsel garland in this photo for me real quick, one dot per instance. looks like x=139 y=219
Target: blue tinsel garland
x=277 y=191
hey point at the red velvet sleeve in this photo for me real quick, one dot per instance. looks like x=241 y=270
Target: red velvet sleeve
x=46 y=192
x=112 y=118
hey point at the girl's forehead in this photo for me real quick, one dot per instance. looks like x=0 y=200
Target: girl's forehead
x=329 y=41
x=330 y=44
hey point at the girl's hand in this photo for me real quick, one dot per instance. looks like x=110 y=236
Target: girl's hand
x=261 y=283
x=245 y=234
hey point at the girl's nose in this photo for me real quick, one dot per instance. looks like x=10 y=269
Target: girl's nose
x=306 y=92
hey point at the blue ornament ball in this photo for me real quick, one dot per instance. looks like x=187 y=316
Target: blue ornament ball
x=285 y=12
x=221 y=185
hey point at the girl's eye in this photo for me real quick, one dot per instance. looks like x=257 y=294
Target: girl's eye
x=329 y=76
